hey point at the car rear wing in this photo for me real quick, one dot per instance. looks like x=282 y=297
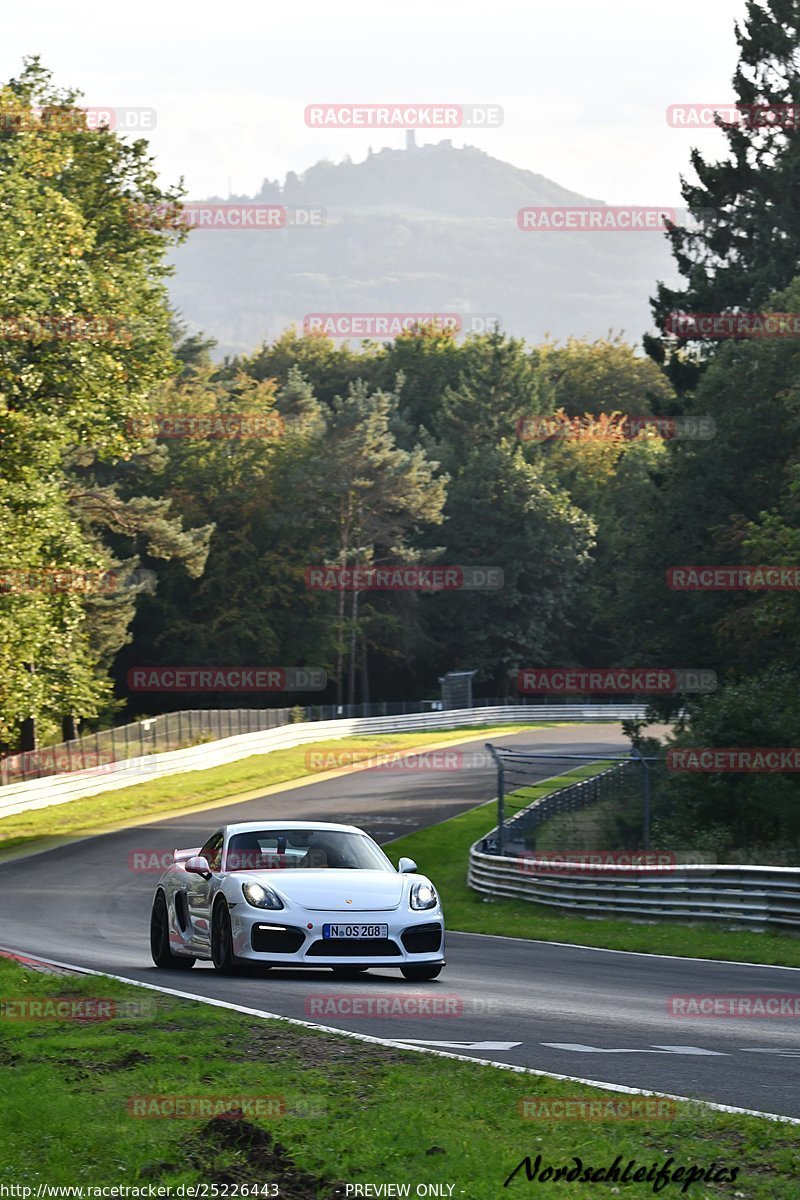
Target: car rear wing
x=180 y=856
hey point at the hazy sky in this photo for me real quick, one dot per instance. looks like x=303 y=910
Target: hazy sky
x=584 y=85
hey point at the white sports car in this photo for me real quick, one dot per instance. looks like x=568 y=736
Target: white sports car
x=296 y=894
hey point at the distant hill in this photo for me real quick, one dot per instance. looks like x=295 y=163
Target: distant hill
x=430 y=228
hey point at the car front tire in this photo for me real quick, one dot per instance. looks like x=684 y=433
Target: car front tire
x=421 y=973
x=159 y=939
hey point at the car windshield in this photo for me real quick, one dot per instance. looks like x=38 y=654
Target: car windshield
x=282 y=849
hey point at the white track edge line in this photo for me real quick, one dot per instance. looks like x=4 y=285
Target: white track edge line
x=728 y=962
x=400 y=1045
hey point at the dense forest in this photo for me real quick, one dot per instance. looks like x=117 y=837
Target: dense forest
x=125 y=543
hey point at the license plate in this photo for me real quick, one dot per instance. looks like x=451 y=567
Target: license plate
x=355 y=931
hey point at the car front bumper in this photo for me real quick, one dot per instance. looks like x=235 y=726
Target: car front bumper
x=295 y=938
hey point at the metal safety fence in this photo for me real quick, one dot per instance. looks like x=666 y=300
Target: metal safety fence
x=192 y=727
x=153 y=735
x=640 y=884
x=93 y=779
x=517 y=831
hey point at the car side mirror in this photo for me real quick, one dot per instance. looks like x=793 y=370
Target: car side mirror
x=197 y=866
x=406 y=866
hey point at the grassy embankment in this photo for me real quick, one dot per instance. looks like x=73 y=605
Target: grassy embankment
x=334 y=1111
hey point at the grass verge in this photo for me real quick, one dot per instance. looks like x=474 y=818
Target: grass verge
x=443 y=850
x=231 y=782
x=334 y=1111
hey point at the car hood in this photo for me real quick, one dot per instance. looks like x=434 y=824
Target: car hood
x=334 y=890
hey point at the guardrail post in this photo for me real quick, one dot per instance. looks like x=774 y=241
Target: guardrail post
x=501 y=798
x=645 y=798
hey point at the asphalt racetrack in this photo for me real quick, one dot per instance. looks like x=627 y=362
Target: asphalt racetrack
x=596 y=1014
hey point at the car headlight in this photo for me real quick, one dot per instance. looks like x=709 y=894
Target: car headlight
x=423 y=895
x=260 y=896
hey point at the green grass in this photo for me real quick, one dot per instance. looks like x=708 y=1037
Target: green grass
x=442 y=851
x=227 y=783
x=342 y=1111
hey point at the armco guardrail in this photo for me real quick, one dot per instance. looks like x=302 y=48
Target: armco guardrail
x=522 y=825
x=754 y=896
x=189 y=727
x=151 y=735
x=58 y=789
x=761 y=897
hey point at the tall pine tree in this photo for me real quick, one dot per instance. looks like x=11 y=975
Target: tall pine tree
x=749 y=245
